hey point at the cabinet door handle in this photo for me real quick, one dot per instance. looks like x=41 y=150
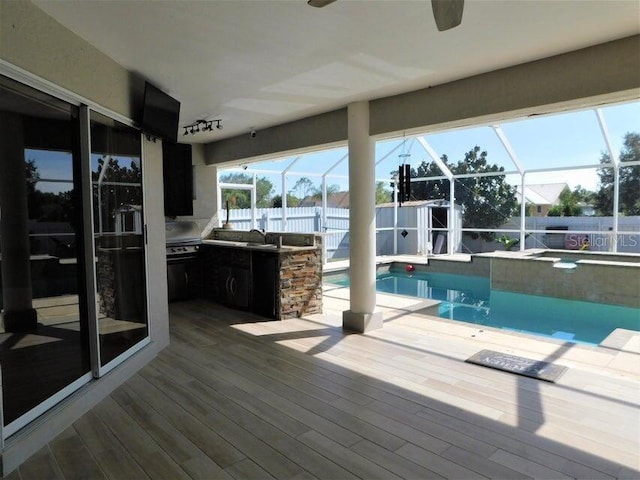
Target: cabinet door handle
x=232 y=285
x=227 y=285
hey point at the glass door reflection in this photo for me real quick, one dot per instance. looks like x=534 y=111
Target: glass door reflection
x=119 y=237
x=44 y=342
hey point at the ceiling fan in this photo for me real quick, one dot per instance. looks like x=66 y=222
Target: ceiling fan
x=447 y=13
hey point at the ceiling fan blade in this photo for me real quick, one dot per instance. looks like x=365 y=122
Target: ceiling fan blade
x=447 y=13
x=319 y=3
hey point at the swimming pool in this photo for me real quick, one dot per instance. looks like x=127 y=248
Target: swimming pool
x=470 y=299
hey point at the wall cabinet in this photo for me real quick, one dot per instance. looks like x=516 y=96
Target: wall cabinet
x=178 y=179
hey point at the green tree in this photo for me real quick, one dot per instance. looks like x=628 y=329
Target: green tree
x=571 y=202
x=629 y=179
x=382 y=194
x=331 y=190
x=304 y=188
x=582 y=195
x=487 y=202
x=567 y=205
x=432 y=189
x=32 y=175
x=122 y=185
x=291 y=201
x=46 y=206
x=242 y=198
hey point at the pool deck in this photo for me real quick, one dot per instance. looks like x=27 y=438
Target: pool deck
x=618 y=354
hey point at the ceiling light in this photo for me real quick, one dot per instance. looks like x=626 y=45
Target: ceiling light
x=202 y=126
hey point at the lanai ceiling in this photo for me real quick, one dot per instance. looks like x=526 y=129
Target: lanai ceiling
x=259 y=63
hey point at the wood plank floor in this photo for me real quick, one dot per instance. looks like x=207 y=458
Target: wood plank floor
x=235 y=397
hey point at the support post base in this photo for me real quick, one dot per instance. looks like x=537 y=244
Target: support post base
x=20 y=320
x=361 y=322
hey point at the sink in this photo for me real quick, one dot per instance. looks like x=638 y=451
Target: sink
x=266 y=246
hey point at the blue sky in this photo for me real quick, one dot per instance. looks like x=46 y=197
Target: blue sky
x=560 y=140
x=53 y=166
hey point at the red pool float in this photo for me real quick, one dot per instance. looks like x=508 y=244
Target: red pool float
x=409 y=268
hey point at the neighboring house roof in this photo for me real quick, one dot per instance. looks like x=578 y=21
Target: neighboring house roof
x=542 y=193
x=335 y=200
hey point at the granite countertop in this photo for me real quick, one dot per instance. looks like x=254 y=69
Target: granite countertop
x=264 y=247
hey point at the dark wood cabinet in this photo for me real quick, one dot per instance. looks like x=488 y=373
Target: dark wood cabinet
x=235 y=290
x=226 y=276
x=178 y=179
x=276 y=284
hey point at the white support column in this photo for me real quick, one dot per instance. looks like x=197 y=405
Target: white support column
x=523 y=213
x=361 y=316
x=324 y=202
x=324 y=219
x=395 y=216
x=218 y=197
x=254 y=195
x=613 y=156
x=616 y=206
x=452 y=215
x=283 y=225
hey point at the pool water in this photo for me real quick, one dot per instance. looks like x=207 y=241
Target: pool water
x=470 y=299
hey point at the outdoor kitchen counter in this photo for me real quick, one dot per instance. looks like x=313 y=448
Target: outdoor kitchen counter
x=265 y=247
x=277 y=282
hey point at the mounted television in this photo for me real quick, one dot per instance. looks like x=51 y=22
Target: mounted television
x=160 y=114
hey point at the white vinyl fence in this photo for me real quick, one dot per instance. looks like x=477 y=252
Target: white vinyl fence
x=543 y=232
x=334 y=224
x=556 y=232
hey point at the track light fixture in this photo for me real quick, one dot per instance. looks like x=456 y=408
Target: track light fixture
x=202 y=126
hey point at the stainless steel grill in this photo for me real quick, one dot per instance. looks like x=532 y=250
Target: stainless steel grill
x=182 y=244
x=182 y=241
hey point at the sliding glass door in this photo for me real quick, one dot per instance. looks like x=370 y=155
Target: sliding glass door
x=44 y=342
x=73 y=297
x=116 y=176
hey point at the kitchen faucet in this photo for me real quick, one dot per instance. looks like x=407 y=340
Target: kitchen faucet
x=261 y=232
